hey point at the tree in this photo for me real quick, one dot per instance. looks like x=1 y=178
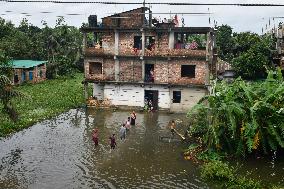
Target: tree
x=252 y=55
x=225 y=42
x=7 y=92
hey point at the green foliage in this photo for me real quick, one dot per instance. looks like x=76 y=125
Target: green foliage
x=227 y=176
x=217 y=170
x=248 y=53
x=242 y=117
x=7 y=93
x=209 y=155
x=225 y=42
x=60 y=45
x=252 y=55
x=47 y=99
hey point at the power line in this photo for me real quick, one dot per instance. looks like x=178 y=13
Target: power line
x=150 y=3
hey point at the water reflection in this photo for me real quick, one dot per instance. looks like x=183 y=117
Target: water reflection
x=59 y=153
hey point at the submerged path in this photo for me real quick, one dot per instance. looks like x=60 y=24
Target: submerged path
x=59 y=153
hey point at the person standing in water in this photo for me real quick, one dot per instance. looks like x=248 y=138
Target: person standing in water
x=172 y=126
x=112 y=141
x=95 y=137
x=122 y=132
x=127 y=124
x=132 y=118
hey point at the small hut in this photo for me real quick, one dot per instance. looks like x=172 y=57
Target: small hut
x=29 y=70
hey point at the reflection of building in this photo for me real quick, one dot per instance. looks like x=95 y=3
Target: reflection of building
x=130 y=59
x=29 y=70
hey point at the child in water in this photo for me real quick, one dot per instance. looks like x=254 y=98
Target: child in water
x=172 y=127
x=127 y=124
x=112 y=141
x=122 y=132
x=95 y=137
x=132 y=118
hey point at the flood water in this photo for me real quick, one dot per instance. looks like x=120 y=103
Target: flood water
x=59 y=153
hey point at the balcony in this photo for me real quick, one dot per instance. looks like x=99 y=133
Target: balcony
x=100 y=77
x=175 y=53
x=148 y=53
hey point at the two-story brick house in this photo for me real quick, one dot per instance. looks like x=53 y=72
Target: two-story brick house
x=130 y=60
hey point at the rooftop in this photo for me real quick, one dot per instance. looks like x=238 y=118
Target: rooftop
x=26 y=63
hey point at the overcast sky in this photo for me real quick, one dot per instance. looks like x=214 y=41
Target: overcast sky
x=240 y=18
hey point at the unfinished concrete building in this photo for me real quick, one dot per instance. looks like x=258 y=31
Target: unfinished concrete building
x=132 y=58
x=279 y=55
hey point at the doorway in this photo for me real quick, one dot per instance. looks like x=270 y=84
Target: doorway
x=152 y=99
x=149 y=73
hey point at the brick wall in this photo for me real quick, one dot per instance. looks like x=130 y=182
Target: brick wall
x=137 y=68
x=175 y=72
x=108 y=43
x=126 y=43
x=126 y=70
x=108 y=69
x=130 y=20
x=161 y=72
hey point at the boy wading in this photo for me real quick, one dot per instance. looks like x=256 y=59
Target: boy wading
x=132 y=118
x=112 y=141
x=122 y=132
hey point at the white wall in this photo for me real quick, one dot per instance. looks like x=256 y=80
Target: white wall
x=133 y=95
x=98 y=91
x=189 y=98
x=125 y=95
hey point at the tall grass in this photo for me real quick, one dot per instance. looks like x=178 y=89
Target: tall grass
x=44 y=100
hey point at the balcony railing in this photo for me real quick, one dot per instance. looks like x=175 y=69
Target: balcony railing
x=149 y=53
x=92 y=51
x=100 y=77
x=175 y=52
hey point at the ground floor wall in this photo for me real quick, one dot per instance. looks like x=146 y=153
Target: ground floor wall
x=174 y=99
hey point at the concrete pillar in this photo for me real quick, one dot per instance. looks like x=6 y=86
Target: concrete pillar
x=207 y=46
x=143 y=70
x=171 y=40
x=132 y=69
x=143 y=42
x=116 y=42
x=116 y=69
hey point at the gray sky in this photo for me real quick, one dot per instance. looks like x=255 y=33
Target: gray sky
x=240 y=18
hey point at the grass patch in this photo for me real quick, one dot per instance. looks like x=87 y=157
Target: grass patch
x=227 y=176
x=45 y=100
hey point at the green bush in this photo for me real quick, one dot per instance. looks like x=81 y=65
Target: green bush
x=226 y=176
x=242 y=117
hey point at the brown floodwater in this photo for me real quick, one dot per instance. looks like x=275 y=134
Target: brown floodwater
x=59 y=153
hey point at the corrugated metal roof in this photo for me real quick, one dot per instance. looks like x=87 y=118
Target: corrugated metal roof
x=26 y=63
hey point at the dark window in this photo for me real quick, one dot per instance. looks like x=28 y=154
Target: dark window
x=176 y=96
x=95 y=68
x=138 y=42
x=150 y=42
x=188 y=71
